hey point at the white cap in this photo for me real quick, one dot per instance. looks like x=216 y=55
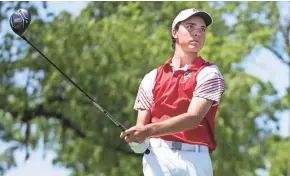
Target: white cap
x=185 y=14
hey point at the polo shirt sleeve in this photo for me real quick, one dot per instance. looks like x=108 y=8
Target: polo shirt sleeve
x=144 y=99
x=210 y=84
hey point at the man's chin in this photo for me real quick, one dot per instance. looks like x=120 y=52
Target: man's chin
x=193 y=49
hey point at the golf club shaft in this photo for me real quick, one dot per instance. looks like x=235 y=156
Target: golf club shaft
x=92 y=100
x=79 y=88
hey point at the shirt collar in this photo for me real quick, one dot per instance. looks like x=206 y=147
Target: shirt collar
x=194 y=65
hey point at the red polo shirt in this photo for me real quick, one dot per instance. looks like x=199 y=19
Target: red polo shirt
x=167 y=92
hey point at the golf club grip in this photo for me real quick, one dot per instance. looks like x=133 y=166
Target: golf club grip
x=122 y=127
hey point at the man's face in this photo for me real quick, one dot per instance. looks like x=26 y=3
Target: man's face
x=191 y=34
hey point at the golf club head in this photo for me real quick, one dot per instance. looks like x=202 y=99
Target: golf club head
x=20 y=20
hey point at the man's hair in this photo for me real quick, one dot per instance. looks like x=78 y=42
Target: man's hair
x=173 y=40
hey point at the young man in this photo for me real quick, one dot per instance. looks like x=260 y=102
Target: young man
x=177 y=103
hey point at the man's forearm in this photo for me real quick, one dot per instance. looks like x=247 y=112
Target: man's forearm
x=173 y=125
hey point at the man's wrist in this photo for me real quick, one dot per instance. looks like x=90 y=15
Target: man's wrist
x=151 y=129
x=139 y=125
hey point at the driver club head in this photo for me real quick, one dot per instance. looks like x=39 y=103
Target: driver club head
x=20 y=20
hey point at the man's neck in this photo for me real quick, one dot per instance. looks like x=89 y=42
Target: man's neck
x=181 y=58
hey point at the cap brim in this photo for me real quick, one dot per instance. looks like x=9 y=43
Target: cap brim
x=205 y=16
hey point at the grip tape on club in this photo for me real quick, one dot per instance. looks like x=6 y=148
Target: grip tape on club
x=122 y=127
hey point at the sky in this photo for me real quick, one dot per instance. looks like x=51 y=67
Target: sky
x=260 y=63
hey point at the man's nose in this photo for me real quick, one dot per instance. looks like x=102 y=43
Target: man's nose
x=196 y=32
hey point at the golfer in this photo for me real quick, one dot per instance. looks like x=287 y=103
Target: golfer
x=177 y=103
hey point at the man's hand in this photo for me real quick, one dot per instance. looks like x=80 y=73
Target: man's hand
x=136 y=134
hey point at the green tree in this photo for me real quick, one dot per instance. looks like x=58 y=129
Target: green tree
x=10 y=126
x=107 y=50
x=278 y=155
x=278 y=147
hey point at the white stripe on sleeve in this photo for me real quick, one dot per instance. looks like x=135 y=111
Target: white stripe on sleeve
x=144 y=99
x=210 y=84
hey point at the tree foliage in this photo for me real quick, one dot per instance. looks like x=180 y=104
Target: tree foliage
x=107 y=50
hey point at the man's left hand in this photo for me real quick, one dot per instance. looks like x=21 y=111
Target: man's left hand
x=136 y=134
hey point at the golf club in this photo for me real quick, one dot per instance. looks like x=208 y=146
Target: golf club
x=19 y=22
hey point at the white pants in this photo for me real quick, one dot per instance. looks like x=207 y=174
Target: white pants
x=165 y=161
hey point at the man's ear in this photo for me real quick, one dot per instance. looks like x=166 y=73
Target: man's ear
x=174 y=33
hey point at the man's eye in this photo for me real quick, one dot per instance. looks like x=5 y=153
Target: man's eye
x=202 y=29
x=189 y=26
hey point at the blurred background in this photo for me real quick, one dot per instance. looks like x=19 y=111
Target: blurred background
x=48 y=128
